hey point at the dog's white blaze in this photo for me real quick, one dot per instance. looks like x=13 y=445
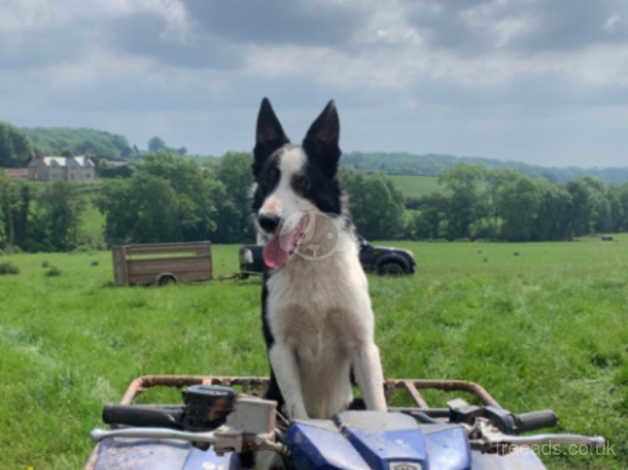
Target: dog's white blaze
x=283 y=201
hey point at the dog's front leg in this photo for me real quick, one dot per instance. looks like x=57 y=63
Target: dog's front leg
x=284 y=364
x=367 y=368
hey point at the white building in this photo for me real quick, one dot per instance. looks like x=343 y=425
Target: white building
x=78 y=168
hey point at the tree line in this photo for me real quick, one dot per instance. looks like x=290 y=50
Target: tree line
x=19 y=145
x=506 y=205
x=169 y=198
x=399 y=163
x=39 y=218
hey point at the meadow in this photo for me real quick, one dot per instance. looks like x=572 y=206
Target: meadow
x=540 y=325
x=416 y=185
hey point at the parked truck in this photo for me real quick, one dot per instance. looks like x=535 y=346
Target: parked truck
x=380 y=259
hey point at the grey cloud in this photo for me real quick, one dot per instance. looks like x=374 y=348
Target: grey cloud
x=468 y=27
x=146 y=34
x=278 y=21
x=28 y=49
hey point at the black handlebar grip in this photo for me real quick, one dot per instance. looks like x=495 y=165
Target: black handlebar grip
x=143 y=416
x=535 y=420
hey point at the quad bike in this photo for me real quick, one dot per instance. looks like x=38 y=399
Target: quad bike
x=222 y=424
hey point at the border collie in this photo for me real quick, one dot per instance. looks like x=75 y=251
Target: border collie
x=317 y=317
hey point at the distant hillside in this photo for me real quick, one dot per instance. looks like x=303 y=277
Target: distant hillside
x=434 y=164
x=56 y=140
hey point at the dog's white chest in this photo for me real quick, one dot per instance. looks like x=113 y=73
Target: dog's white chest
x=322 y=312
x=319 y=311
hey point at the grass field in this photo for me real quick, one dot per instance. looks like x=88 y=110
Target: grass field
x=415 y=185
x=539 y=325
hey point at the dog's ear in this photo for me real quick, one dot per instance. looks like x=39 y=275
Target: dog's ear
x=269 y=135
x=321 y=140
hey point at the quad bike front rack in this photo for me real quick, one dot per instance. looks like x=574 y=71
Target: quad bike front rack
x=254 y=385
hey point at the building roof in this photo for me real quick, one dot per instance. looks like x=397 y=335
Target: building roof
x=54 y=161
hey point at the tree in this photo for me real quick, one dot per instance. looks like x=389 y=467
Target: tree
x=554 y=217
x=377 y=206
x=2 y=234
x=463 y=183
x=517 y=203
x=99 y=144
x=60 y=206
x=142 y=209
x=233 y=219
x=582 y=208
x=591 y=207
x=15 y=148
x=622 y=198
x=431 y=212
x=168 y=199
x=156 y=144
x=9 y=201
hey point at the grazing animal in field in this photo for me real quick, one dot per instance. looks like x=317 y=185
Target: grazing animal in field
x=317 y=317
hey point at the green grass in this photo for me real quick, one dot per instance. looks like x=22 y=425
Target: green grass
x=545 y=329
x=415 y=185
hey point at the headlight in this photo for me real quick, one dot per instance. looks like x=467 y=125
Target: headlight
x=404 y=466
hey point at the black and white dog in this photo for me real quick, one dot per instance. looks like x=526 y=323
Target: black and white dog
x=317 y=317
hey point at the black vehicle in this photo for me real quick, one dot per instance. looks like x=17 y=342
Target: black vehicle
x=251 y=260
x=386 y=260
x=379 y=259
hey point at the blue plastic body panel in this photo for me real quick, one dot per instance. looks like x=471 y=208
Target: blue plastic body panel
x=376 y=444
x=366 y=440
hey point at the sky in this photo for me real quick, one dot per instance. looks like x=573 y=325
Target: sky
x=545 y=82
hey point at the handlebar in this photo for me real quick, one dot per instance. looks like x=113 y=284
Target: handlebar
x=144 y=415
x=534 y=420
x=222 y=439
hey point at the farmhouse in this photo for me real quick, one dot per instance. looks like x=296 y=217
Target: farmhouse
x=78 y=168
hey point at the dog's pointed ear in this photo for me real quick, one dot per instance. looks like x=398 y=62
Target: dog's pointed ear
x=321 y=140
x=269 y=135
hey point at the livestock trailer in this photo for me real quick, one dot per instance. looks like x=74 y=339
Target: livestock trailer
x=162 y=263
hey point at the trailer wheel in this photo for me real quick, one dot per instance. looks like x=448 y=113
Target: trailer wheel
x=166 y=279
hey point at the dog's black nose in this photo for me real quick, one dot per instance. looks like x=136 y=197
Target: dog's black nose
x=268 y=222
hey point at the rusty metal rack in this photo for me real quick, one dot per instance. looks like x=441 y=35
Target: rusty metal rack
x=256 y=385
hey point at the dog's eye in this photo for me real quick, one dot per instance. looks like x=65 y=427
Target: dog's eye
x=300 y=183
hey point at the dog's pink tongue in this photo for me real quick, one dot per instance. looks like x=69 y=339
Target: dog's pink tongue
x=278 y=250
x=274 y=255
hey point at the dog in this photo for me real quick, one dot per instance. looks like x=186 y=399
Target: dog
x=317 y=318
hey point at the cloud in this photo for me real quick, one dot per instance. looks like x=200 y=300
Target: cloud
x=322 y=23
x=149 y=34
x=522 y=27
x=421 y=75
